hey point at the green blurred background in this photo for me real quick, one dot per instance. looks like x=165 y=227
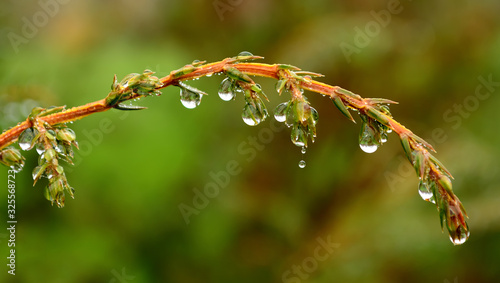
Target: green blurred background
x=268 y=221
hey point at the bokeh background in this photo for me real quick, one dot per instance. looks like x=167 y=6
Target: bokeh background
x=268 y=220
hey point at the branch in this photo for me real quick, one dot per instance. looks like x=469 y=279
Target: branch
x=46 y=129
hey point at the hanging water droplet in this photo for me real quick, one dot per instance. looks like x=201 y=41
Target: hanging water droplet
x=367 y=138
x=208 y=75
x=37 y=172
x=314 y=115
x=226 y=90
x=302 y=164
x=40 y=148
x=424 y=191
x=460 y=236
x=26 y=138
x=17 y=167
x=281 y=85
x=250 y=115
x=383 y=138
x=299 y=136
x=280 y=112
x=190 y=99
x=303 y=150
x=389 y=130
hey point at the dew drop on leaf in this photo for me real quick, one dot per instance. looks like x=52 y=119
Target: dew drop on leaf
x=40 y=148
x=250 y=115
x=367 y=139
x=245 y=53
x=226 y=90
x=280 y=112
x=25 y=139
x=190 y=99
x=460 y=237
x=424 y=191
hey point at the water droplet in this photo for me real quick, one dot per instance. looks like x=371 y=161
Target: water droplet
x=303 y=150
x=389 y=130
x=424 y=191
x=460 y=236
x=281 y=85
x=17 y=167
x=383 y=138
x=367 y=138
x=280 y=112
x=299 y=136
x=302 y=164
x=190 y=99
x=368 y=148
x=26 y=138
x=254 y=112
x=314 y=115
x=250 y=115
x=245 y=53
x=226 y=90
x=208 y=75
x=37 y=172
x=40 y=148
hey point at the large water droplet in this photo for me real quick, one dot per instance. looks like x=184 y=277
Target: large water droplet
x=226 y=90
x=302 y=164
x=38 y=172
x=190 y=99
x=280 y=112
x=26 y=138
x=367 y=138
x=299 y=136
x=424 y=191
x=460 y=236
x=250 y=115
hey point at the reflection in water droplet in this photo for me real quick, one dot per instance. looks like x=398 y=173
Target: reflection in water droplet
x=461 y=236
x=249 y=121
x=226 y=96
x=226 y=90
x=250 y=116
x=302 y=164
x=368 y=148
x=367 y=138
x=37 y=171
x=426 y=195
x=383 y=137
x=254 y=113
x=40 y=148
x=190 y=99
x=303 y=150
x=25 y=139
x=280 y=112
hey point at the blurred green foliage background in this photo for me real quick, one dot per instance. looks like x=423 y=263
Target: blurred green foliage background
x=268 y=221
